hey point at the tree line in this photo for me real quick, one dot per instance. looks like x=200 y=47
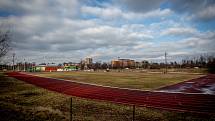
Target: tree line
x=207 y=62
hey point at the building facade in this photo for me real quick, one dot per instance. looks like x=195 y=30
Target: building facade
x=123 y=63
x=88 y=61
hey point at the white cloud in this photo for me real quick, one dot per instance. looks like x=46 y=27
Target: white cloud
x=68 y=30
x=179 y=31
x=111 y=13
x=151 y=14
x=51 y=34
x=61 y=38
x=107 y=13
x=201 y=42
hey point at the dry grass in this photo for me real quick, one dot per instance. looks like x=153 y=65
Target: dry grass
x=135 y=80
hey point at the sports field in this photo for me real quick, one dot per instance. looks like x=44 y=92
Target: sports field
x=134 y=80
x=22 y=101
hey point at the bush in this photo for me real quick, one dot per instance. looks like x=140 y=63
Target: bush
x=211 y=66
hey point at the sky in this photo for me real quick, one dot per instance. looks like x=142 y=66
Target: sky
x=70 y=30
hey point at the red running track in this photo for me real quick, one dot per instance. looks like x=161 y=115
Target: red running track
x=202 y=85
x=198 y=103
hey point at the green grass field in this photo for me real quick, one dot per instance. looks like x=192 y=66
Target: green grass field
x=134 y=80
x=20 y=101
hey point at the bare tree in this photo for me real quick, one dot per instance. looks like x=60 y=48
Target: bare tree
x=5 y=39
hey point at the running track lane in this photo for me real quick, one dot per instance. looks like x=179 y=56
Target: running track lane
x=197 y=103
x=204 y=85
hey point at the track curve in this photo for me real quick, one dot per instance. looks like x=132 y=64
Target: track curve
x=198 y=103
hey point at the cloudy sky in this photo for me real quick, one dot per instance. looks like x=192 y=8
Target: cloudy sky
x=70 y=30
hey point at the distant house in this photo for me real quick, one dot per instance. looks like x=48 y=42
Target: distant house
x=40 y=68
x=70 y=68
x=52 y=68
x=71 y=64
x=45 y=67
x=116 y=64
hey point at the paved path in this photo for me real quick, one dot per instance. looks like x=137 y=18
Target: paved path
x=198 y=103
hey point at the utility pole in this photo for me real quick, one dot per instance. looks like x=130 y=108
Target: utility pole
x=24 y=65
x=165 y=63
x=13 y=61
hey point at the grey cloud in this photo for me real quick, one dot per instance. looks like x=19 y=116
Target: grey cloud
x=114 y=13
x=206 y=14
x=49 y=29
x=32 y=45
x=203 y=42
x=140 y=5
x=49 y=33
x=188 y=5
x=200 y=10
x=54 y=7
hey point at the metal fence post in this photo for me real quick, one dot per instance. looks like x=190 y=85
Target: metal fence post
x=71 y=109
x=133 y=113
